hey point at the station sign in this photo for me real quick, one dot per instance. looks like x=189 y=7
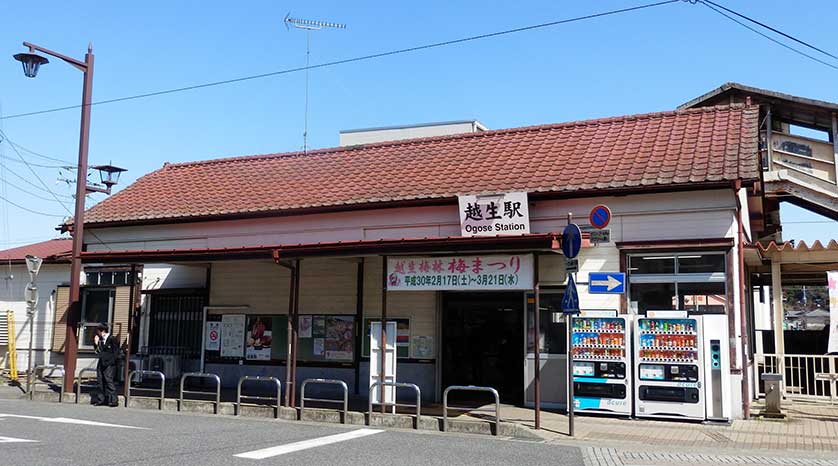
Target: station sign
x=474 y=272
x=494 y=214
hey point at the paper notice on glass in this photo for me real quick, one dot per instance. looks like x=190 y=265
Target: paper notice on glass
x=832 y=278
x=305 y=327
x=317 y=347
x=232 y=335
x=423 y=347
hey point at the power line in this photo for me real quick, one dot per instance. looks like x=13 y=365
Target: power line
x=781 y=44
x=30 y=193
x=774 y=30
x=350 y=60
x=38 y=154
x=30 y=210
x=23 y=179
x=39 y=165
x=55 y=196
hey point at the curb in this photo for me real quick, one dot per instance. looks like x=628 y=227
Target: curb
x=395 y=421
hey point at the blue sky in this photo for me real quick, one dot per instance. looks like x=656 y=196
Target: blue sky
x=637 y=62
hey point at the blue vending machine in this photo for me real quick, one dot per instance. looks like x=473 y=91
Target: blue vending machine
x=601 y=368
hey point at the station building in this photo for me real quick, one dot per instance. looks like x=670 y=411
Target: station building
x=331 y=237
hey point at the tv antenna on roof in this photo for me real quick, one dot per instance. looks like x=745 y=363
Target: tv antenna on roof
x=308 y=25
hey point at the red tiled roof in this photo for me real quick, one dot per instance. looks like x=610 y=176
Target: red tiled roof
x=658 y=150
x=51 y=250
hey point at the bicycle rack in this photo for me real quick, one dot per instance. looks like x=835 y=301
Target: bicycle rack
x=162 y=388
x=278 y=396
x=471 y=388
x=201 y=375
x=415 y=388
x=78 y=380
x=52 y=367
x=341 y=383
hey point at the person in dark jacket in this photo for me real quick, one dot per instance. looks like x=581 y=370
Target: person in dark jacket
x=107 y=349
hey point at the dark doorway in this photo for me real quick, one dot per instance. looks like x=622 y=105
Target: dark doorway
x=483 y=342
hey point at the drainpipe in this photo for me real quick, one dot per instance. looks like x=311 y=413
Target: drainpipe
x=743 y=322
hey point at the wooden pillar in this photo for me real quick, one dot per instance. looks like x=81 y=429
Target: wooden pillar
x=777 y=298
x=382 y=371
x=289 y=333
x=835 y=145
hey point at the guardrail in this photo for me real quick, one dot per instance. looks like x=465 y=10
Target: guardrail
x=162 y=388
x=340 y=383
x=278 y=396
x=200 y=375
x=799 y=373
x=33 y=383
x=471 y=388
x=78 y=380
x=395 y=403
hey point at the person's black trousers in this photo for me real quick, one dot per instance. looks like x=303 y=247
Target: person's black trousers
x=107 y=388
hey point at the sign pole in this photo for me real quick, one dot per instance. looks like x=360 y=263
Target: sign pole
x=568 y=318
x=537 y=325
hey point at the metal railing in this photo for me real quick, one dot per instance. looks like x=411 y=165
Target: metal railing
x=200 y=375
x=79 y=382
x=51 y=367
x=340 y=383
x=162 y=388
x=276 y=398
x=415 y=388
x=800 y=375
x=471 y=388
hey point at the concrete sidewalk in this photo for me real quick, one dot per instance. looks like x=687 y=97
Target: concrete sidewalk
x=811 y=427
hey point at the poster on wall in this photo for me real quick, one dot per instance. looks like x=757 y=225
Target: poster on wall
x=423 y=347
x=259 y=338
x=832 y=278
x=318 y=327
x=480 y=272
x=317 y=347
x=305 y=327
x=232 y=335
x=340 y=334
x=213 y=336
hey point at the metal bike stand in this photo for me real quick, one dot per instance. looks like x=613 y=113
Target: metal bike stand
x=79 y=382
x=52 y=367
x=162 y=388
x=278 y=396
x=200 y=375
x=472 y=388
x=415 y=388
x=340 y=383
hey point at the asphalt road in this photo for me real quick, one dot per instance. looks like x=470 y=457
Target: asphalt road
x=37 y=434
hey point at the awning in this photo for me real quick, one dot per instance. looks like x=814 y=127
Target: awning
x=430 y=245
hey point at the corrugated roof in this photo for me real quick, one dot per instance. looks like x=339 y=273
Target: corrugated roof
x=51 y=250
x=657 y=150
x=797 y=246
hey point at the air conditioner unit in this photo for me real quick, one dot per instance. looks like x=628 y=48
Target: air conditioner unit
x=169 y=365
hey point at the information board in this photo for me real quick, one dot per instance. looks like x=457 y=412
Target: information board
x=232 y=335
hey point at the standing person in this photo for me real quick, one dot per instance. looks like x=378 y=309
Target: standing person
x=107 y=349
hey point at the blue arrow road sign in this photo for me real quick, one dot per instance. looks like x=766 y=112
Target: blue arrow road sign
x=570 y=301
x=571 y=240
x=606 y=282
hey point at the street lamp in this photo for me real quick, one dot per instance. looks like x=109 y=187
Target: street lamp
x=33 y=264
x=31 y=64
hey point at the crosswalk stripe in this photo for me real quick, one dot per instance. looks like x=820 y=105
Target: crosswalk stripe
x=306 y=444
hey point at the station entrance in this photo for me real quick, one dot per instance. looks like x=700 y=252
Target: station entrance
x=483 y=342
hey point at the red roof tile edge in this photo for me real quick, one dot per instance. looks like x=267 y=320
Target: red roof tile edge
x=54 y=250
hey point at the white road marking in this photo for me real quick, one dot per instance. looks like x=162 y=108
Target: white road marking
x=68 y=420
x=306 y=444
x=15 y=440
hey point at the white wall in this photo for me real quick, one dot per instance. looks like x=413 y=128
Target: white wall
x=12 y=298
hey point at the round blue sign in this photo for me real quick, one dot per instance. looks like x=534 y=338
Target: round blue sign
x=571 y=240
x=600 y=216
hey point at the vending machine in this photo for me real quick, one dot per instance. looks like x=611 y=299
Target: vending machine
x=669 y=367
x=601 y=368
x=717 y=387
